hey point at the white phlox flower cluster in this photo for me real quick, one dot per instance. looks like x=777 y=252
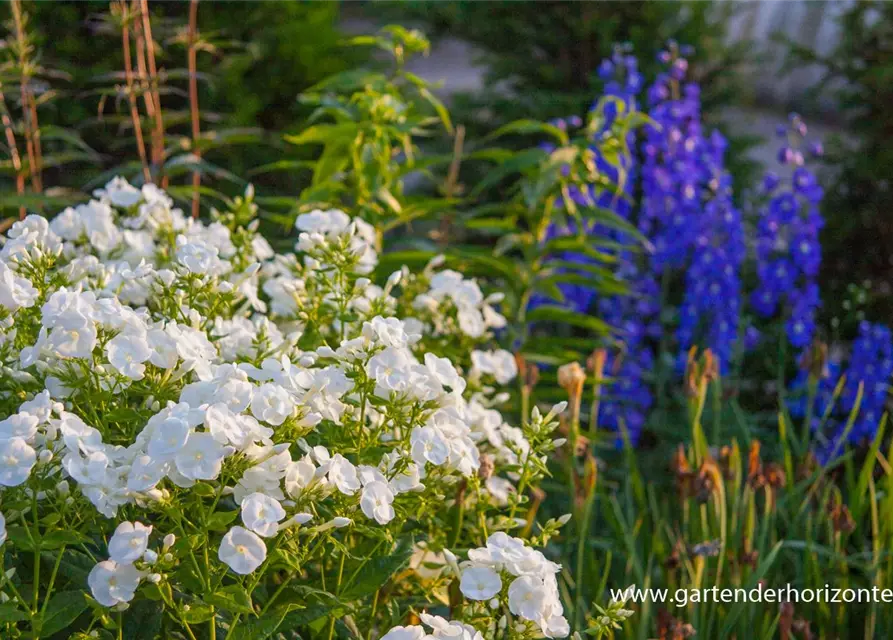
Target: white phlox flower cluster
x=114 y=582
x=453 y=302
x=507 y=568
x=149 y=358
x=435 y=628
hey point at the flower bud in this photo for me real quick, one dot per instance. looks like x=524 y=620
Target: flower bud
x=571 y=378
x=154 y=578
x=150 y=556
x=45 y=456
x=169 y=541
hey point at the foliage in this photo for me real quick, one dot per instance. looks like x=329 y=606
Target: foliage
x=541 y=60
x=857 y=74
x=206 y=433
x=252 y=60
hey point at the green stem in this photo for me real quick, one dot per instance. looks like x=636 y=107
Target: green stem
x=53 y=575
x=337 y=592
x=581 y=552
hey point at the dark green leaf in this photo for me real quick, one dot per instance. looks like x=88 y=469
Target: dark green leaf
x=560 y=315
x=11 y=613
x=220 y=520
x=63 y=609
x=233 y=598
x=375 y=573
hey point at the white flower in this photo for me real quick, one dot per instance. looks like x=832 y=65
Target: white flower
x=272 y=403
x=499 y=363
x=429 y=445
x=556 y=626
x=376 y=500
x=119 y=192
x=74 y=340
x=331 y=222
x=262 y=514
x=201 y=458
x=144 y=474
x=412 y=632
x=112 y=583
x=299 y=476
x=471 y=322
x=169 y=438
x=15 y=292
x=480 y=583
x=389 y=332
x=129 y=542
x=17 y=458
x=197 y=256
x=242 y=551
x=343 y=474
x=445 y=373
x=127 y=352
x=528 y=597
x=19 y=425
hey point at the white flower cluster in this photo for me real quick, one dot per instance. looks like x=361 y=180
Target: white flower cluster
x=156 y=353
x=441 y=629
x=114 y=581
x=474 y=313
x=532 y=588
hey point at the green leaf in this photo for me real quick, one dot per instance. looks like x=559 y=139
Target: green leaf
x=526 y=126
x=220 y=520
x=62 y=537
x=324 y=134
x=75 y=565
x=374 y=573
x=63 y=609
x=198 y=613
x=233 y=598
x=516 y=164
x=552 y=313
x=284 y=617
x=19 y=538
x=736 y=610
x=439 y=107
x=143 y=620
x=11 y=613
x=614 y=221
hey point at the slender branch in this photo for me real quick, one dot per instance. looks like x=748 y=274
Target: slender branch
x=13 y=150
x=158 y=132
x=29 y=109
x=131 y=96
x=193 y=102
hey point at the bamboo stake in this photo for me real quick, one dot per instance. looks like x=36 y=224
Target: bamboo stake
x=131 y=97
x=29 y=108
x=193 y=102
x=158 y=132
x=13 y=150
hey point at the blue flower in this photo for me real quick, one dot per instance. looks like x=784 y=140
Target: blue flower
x=870 y=367
x=787 y=247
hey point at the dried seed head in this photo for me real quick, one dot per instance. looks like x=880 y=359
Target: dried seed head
x=571 y=378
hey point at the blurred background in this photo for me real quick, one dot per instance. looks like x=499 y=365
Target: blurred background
x=496 y=61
